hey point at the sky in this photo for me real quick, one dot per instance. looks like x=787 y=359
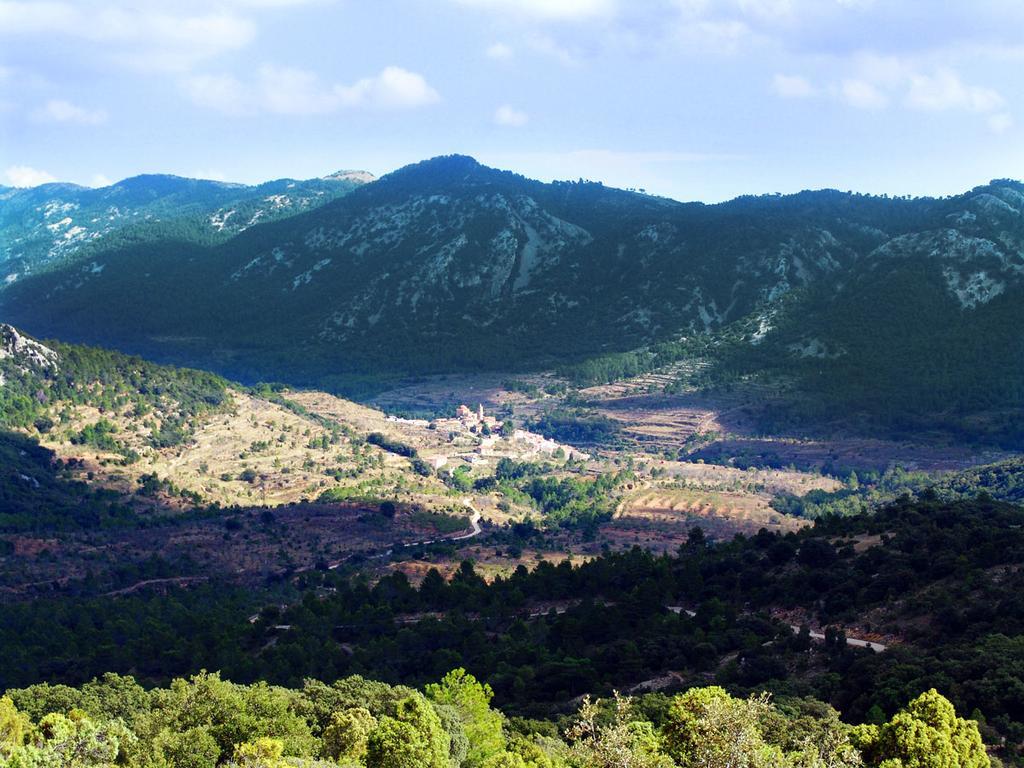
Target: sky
x=690 y=99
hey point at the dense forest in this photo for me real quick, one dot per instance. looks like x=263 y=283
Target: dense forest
x=206 y=721
x=951 y=615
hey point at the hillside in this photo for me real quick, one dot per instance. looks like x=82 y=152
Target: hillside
x=899 y=311
x=53 y=224
x=99 y=447
x=81 y=422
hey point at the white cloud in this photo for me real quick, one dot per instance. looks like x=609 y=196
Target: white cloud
x=768 y=10
x=100 y=180
x=392 y=88
x=25 y=176
x=500 y=51
x=1000 y=122
x=28 y=17
x=825 y=28
x=881 y=80
x=509 y=115
x=945 y=90
x=792 y=86
x=547 y=10
x=862 y=94
x=223 y=93
x=890 y=72
x=141 y=35
x=714 y=36
x=292 y=91
x=61 y=111
x=549 y=47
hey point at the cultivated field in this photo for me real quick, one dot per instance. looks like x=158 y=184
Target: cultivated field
x=661 y=518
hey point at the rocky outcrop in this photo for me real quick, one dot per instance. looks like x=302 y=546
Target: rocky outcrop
x=24 y=353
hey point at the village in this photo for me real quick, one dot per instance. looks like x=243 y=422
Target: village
x=477 y=439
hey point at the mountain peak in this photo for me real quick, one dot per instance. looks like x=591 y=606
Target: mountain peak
x=445 y=172
x=360 y=177
x=442 y=166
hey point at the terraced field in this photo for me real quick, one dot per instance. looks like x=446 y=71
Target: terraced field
x=257 y=452
x=661 y=518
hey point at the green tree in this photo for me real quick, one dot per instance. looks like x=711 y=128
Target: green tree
x=624 y=743
x=812 y=735
x=538 y=752
x=192 y=748
x=925 y=734
x=71 y=741
x=472 y=700
x=346 y=737
x=396 y=744
x=412 y=737
x=231 y=714
x=14 y=726
x=261 y=753
x=505 y=760
x=708 y=728
x=451 y=721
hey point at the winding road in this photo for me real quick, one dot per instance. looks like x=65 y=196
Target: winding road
x=475 y=530
x=871 y=645
x=474 y=521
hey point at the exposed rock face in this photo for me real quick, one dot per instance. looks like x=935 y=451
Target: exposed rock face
x=24 y=353
x=362 y=177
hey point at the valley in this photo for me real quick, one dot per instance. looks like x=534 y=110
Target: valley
x=761 y=303
x=272 y=483
x=646 y=389
x=648 y=512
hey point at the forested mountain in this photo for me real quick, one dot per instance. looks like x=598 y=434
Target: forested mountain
x=899 y=309
x=54 y=223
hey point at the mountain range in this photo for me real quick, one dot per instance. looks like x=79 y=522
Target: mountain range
x=890 y=307
x=41 y=227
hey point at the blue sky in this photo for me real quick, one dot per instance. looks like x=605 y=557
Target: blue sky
x=693 y=99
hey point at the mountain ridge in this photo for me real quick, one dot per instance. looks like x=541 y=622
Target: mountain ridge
x=449 y=265
x=43 y=226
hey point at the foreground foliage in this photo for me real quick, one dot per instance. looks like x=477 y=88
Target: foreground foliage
x=206 y=721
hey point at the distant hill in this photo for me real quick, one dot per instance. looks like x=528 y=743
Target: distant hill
x=53 y=223
x=899 y=311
